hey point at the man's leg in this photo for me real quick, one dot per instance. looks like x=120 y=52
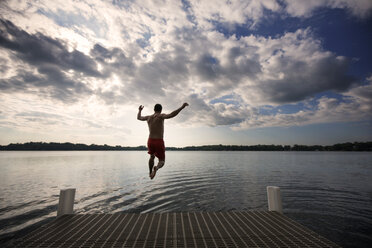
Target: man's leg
x=151 y=163
x=160 y=164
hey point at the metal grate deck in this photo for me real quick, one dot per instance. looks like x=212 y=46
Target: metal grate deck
x=203 y=229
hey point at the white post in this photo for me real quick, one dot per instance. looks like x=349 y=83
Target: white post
x=274 y=199
x=66 y=201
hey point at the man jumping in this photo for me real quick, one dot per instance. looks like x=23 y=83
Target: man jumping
x=155 y=143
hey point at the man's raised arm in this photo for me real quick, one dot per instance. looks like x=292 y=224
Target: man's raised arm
x=139 y=117
x=174 y=113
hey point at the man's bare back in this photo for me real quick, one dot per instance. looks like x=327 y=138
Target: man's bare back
x=155 y=142
x=156 y=126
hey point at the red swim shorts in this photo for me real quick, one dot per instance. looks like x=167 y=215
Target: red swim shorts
x=156 y=147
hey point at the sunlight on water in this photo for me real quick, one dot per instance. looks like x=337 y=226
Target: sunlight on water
x=328 y=192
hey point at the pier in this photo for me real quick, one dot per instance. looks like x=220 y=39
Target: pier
x=183 y=229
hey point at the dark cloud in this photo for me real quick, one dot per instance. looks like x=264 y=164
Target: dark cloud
x=228 y=75
x=227 y=120
x=242 y=64
x=59 y=73
x=39 y=49
x=302 y=80
x=207 y=67
x=167 y=70
x=52 y=61
x=4 y=67
x=101 y=53
x=49 y=82
x=113 y=60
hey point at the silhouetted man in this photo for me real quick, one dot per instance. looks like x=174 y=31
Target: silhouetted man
x=155 y=143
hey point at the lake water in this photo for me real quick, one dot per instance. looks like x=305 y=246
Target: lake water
x=329 y=192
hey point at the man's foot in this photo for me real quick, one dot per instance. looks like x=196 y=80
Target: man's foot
x=153 y=173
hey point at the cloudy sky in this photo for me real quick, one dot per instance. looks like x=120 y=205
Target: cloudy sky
x=254 y=72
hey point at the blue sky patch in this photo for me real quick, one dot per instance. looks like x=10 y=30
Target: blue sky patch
x=227 y=99
x=144 y=42
x=69 y=20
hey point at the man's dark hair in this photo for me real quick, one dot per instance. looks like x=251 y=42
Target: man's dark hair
x=158 y=107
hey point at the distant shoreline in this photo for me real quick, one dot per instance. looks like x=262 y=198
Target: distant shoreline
x=52 y=146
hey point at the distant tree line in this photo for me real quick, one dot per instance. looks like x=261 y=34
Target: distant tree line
x=356 y=146
x=42 y=146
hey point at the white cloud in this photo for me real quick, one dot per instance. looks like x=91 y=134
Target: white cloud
x=100 y=57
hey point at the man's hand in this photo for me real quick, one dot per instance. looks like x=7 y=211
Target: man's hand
x=174 y=113
x=139 y=117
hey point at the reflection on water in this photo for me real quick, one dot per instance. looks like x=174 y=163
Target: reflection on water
x=328 y=192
